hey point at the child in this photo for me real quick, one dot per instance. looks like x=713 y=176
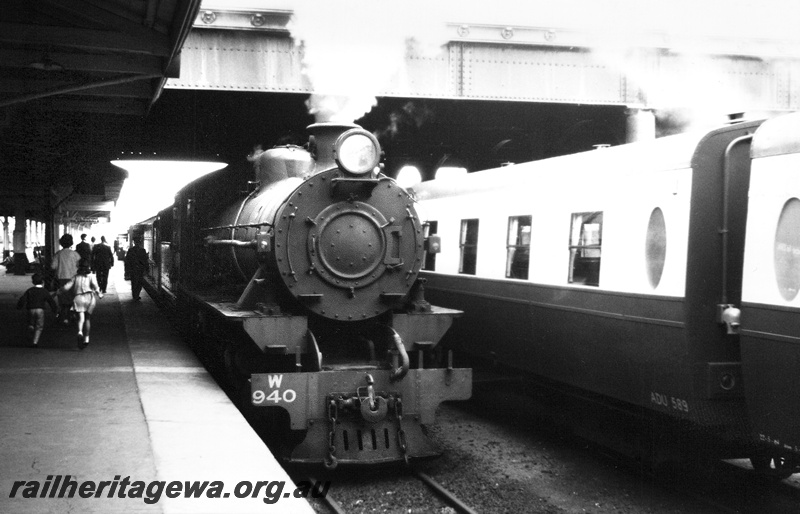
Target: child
x=34 y=299
x=84 y=287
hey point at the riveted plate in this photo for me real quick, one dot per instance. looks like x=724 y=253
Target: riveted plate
x=348 y=258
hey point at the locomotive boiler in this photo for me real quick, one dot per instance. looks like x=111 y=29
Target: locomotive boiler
x=300 y=286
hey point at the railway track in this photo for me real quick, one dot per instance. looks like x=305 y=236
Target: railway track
x=432 y=485
x=444 y=494
x=500 y=457
x=729 y=488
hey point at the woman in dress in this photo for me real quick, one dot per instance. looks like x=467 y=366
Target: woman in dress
x=65 y=265
x=84 y=288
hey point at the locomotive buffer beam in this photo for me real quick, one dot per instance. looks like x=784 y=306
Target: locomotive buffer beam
x=361 y=434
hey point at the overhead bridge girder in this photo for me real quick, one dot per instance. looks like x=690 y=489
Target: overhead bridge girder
x=533 y=65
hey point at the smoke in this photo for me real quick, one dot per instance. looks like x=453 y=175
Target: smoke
x=411 y=114
x=352 y=50
x=687 y=90
x=693 y=83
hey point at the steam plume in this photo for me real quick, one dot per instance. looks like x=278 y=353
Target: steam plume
x=354 y=49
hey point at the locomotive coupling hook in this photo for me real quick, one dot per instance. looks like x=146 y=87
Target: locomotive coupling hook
x=373 y=408
x=370 y=391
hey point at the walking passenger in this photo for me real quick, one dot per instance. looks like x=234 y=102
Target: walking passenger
x=34 y=300
x=65 y=265
x=84 y=249
x=84 y=287
x=136 y=262
x=102 y=261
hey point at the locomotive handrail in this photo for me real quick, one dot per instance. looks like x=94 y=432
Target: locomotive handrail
x=245 y=225
x=400 y=372
x=210 y=241
x=351 y=180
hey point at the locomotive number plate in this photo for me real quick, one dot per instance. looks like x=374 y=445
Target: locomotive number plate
x=273 y=393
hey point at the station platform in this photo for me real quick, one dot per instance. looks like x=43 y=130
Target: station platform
x=135 y=410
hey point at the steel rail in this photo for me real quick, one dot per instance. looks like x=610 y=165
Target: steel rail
x=444 y=494
x=329 y=501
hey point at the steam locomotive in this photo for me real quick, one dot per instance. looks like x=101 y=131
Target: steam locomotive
x=299 y=286
x=658 y=280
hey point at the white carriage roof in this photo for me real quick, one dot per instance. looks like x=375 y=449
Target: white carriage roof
x=667 y=153
x=777 y=136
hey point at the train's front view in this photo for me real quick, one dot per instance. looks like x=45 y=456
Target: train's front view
x=332 y=249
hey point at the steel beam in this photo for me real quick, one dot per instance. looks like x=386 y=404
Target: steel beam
x=269 y=61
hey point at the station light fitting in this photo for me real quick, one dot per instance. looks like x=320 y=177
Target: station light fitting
x=408 y=176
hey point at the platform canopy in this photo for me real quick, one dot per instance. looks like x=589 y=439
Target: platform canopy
x=75 y=77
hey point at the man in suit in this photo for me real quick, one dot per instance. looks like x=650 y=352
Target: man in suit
x=137 y=263
x=84 y=249
x=102 y=261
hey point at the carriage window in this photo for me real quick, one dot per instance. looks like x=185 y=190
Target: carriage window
x=469 y=247
x=787 y=250
x=655 y=251
x=585 y=240
x=430 y=257
x=518 y=247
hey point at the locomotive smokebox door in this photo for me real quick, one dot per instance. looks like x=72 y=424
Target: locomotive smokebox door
x=353 y=258
x=332 y=246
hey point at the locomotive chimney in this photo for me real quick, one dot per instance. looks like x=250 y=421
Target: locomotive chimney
x=323 y=138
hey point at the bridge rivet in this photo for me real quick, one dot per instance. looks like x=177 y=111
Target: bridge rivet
x=209 y=17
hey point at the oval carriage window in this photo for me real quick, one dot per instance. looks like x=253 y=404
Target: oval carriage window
x=655 y=247
x=787 y=250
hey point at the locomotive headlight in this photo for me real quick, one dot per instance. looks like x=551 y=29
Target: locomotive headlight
x=357 y=151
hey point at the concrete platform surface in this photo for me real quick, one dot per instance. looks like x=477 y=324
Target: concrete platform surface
x=131 y=424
